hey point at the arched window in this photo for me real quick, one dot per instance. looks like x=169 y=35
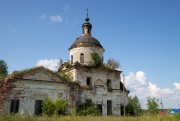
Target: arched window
x=82 y=58
x=71 y=59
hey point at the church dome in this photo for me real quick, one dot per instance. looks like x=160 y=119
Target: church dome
x=86 y=41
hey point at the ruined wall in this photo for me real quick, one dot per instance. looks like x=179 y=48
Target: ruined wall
x=98 y=92
x=27 y=92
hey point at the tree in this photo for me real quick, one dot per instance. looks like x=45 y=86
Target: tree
x=112 y=63
x=152 y=105
x=3 y=69
x=133 y=107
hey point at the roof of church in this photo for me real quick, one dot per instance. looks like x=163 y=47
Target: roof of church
x=85 y=41
x=32 y=71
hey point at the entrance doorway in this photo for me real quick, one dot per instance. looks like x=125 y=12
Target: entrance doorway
x=99 y=106
x=38 y=107
x=109 y=107
x=14 y=106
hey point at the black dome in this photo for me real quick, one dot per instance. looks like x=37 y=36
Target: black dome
x=86 y=41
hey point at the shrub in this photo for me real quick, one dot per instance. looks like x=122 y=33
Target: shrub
x=48 y=107
x=84 y=110
x=60 y=106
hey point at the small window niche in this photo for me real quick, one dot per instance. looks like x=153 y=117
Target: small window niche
x=71 y=59
x=82 y=58
x=88 y=81
x=109 y=84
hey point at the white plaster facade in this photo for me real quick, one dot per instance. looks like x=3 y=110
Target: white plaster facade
x=35 y=85
x=86 y=51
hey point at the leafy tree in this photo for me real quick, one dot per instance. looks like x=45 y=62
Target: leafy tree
x=152 y=105
x=60 y=106
x=97 y=59
x=112 y=63
x=3 y=69
x=133 y=107
x=48 y=107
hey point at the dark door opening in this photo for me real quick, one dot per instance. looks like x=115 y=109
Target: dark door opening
x=38 y=107
x=14 y=106
x=109 y=107
x=99 y=107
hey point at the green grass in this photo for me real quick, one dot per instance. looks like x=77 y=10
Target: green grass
x=90 y=118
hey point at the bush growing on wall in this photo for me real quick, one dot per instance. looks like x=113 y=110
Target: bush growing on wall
x=97 y=59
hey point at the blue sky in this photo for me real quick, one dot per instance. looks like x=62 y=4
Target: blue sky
x=143 y=35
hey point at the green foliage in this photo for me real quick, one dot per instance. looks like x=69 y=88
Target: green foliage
x=67 y=64
x=84 y=110
x=97 y=60
x=60 y=106
x=48 y=107
x=152 y=105
x=3 y=69
x=133 y=107
x=87 y=118
x=66 y=76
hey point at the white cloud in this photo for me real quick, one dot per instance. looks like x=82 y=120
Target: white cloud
x=52 y=64
x=56 y=18
x=43 y=16
x=134 y=80
x=138 y=85
x=177 y=85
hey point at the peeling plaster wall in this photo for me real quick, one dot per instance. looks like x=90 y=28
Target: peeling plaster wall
x=28 y=92
x=87 y=54
x=100 y=94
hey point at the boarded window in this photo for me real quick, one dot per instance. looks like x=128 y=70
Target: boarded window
x=38 y=107
x=88 y=81
x=82 y=58
x=14 y=106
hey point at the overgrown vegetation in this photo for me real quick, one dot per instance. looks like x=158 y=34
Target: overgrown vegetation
x=3 y=69
x=85 y=110
x=152 y=105
x=97 y=60
x=89 y=118
x=57 y=107
x=133 y=107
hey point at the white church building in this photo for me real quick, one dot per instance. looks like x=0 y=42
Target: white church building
x=88 y=83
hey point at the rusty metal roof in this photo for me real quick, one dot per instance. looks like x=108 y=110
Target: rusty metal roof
x=86 y=41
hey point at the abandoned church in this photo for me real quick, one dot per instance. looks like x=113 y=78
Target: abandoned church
x=89 y=81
